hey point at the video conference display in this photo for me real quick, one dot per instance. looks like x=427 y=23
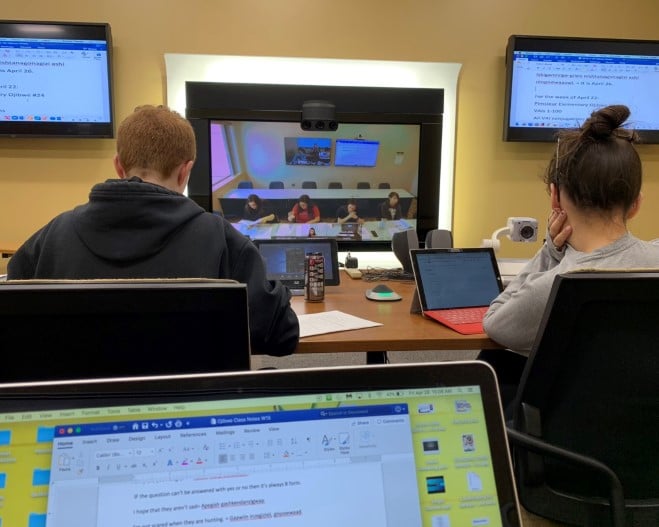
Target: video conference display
x=361 y=174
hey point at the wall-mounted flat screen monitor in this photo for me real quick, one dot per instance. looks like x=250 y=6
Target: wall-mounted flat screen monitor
x=308 y=151
x=356 y=153
x=554 y=83
x=56 y=79
x=397 y=152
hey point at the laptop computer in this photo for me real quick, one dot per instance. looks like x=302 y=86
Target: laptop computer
x=399 y=445
x=455 y=286
x=284 y=260
x=350 y=231
x=72 y=329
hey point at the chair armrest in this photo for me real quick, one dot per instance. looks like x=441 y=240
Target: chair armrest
x=538 y=446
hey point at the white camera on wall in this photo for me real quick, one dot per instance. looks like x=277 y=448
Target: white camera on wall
x=522 y=229
x=517 y=229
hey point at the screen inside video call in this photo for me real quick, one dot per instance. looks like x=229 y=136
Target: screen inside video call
x=279 y=162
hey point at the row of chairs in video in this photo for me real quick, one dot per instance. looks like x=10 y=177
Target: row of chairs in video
x=313 y=184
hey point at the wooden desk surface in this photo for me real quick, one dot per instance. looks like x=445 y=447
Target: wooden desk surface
x=401 y=330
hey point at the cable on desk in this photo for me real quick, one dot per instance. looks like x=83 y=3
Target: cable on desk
x=372 y=274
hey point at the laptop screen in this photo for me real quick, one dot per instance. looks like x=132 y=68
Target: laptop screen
x=284 y=259
x=413 y=449
x=455 y=278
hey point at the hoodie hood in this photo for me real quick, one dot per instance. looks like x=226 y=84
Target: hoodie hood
x=128 y=219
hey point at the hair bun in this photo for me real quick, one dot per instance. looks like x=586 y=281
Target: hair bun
x=603 y=122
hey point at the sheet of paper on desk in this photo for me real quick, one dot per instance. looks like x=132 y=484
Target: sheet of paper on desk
x=331 y=322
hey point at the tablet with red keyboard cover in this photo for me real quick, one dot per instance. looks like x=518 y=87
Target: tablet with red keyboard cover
x=455 y=286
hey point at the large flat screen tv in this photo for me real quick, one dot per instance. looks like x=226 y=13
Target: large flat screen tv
x=56 y=79
x=556 y=82
x=388 y=141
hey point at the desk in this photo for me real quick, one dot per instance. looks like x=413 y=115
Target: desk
x=401 y=330
x=6 y=253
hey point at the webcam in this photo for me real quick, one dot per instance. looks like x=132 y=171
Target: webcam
x=319 y=116
x=523 y=229
x=517 y=229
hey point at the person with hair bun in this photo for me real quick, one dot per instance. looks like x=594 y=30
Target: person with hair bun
x=594 y=181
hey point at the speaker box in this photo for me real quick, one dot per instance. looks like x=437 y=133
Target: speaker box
x=439 y=239
x=401 y=243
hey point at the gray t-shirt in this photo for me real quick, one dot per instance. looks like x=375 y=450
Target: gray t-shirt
x=514 y=316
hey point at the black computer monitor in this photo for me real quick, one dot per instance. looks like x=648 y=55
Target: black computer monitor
x=91 y=329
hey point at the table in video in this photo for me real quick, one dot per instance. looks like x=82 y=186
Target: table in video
x=370 y=230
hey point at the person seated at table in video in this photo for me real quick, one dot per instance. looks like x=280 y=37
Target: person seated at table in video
x=258 y=210
x=348 y=213
x=304 y=211
x=390 y=209
x=312 y=232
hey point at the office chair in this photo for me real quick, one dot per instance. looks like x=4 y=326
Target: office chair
x=276 y=184
x=245 y=184
x=309 y=184
x=585 y=426
x=364 y=185
x=384 y=185
x=335 y=184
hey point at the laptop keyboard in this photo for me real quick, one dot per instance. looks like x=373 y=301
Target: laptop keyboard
x=463 y=315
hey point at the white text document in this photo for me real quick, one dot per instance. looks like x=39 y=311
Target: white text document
x=331 y=322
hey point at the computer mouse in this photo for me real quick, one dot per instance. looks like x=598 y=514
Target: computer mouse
x=382 y=293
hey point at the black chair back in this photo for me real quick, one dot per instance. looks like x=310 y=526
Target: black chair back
x=591 y=387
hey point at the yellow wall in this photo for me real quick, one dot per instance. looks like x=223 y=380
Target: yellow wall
x=40 y=178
